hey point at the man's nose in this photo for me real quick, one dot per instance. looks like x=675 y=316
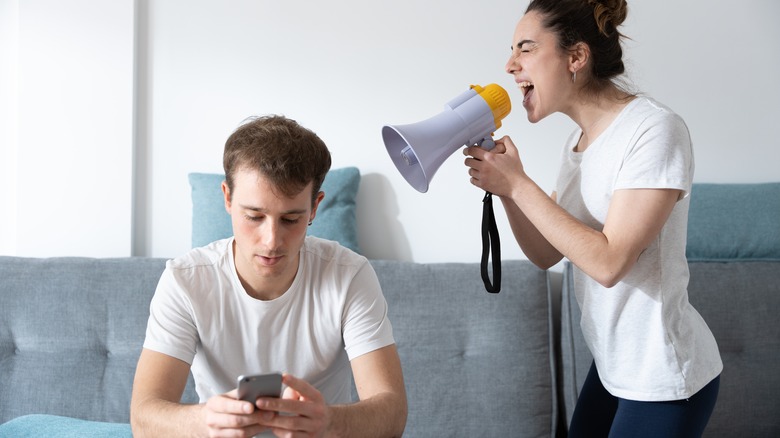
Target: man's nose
x=272 y=234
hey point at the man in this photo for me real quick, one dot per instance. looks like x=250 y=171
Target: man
x=270 y=298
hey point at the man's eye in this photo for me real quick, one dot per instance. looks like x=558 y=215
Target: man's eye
x=290 y=221
x=253 y=218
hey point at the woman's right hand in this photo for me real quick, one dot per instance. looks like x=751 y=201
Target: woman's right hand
x=496 y=171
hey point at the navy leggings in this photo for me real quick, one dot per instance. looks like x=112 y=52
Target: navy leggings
x=600 y=414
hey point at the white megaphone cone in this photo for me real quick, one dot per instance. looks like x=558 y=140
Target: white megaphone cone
x=418 y=149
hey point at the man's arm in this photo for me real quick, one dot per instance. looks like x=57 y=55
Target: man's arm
x=381 y=411
x=155 y=409
x=382 y=407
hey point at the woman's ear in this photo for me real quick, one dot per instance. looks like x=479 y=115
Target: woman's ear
x=579 y=55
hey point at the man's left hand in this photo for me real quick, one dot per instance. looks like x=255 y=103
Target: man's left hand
x=302 y=410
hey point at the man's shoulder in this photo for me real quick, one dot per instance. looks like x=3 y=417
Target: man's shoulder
x=329 y=258
x=331 y=251
x=206 y=257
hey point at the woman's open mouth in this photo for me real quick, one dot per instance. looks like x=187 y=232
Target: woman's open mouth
x=527 y=89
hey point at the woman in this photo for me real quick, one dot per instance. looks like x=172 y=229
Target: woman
x=619 y=214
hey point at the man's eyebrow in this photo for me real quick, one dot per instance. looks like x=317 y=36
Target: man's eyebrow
x=263 y=210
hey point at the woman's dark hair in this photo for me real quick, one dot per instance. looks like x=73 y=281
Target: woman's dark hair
x=287 y=154
x=593 y=22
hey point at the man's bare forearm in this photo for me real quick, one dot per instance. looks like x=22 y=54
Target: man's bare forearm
x=383 y=415
x=156 y=418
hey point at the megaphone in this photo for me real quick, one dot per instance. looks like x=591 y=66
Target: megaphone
x=419 y=149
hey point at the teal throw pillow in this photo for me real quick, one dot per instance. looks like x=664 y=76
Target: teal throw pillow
x=55 y=426
x=335 y=219
x=734 y=222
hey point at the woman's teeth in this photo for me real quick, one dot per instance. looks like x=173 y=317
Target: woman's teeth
x=526 y=88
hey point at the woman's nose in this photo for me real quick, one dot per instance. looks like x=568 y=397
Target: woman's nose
x=512 y=65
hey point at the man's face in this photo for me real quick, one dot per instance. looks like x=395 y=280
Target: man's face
x=269 y=231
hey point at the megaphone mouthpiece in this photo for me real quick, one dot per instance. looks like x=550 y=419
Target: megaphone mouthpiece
x=418 y=149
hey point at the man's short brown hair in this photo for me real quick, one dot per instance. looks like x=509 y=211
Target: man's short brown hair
x=287 y=154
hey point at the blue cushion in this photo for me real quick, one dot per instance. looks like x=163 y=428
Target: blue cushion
x=335 y=216
x=734 y=222
x=38 y=425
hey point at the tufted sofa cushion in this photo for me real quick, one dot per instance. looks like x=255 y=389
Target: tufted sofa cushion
x=71 y=334
x=474 y=363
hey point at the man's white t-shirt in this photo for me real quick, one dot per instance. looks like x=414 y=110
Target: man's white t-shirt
x=333 y=312
x=648 y=342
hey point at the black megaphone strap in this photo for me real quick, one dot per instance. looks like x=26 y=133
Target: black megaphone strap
x=490 y=237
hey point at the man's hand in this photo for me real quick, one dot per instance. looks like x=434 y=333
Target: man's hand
x=226 y=416
x=303 y=412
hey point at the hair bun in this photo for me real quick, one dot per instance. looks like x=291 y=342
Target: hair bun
x=609 y=14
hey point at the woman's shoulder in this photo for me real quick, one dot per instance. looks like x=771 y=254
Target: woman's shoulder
x=647 y=113
x=646 y=107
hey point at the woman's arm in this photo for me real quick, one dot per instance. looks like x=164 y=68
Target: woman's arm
x=634 y=219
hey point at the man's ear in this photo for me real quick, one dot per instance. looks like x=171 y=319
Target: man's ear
x=579 y=55
x=317 y=200
x=226 y=194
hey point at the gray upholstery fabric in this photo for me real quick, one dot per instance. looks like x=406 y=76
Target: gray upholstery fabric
x=70 y=334
x=740 y=302
x=475 y=364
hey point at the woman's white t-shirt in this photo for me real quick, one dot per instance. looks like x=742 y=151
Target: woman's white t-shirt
x=648 y=342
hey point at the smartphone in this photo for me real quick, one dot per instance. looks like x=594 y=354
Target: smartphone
x=250 y=387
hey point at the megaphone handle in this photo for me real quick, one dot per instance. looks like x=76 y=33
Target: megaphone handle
x=490 y=236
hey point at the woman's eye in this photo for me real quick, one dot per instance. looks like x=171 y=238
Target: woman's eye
x=252 y=218
x=290 y=221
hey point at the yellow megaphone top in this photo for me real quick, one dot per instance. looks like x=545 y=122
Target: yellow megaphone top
x=497 y=99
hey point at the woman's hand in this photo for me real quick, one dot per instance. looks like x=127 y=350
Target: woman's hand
x=496 y=171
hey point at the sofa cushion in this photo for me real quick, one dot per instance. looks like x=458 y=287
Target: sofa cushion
x=739 y=302
x=474 y=363
x=335 y=215
x=71 y=331
x=53 y=426
x=734 y=222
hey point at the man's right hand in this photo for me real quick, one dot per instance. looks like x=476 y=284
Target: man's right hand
x=226 y=416
x=155 y=409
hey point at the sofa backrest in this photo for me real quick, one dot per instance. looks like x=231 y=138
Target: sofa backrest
x=474 y=363
x=71 y=331
x=739 y=301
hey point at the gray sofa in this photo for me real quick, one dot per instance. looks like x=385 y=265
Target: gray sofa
x=475 y=364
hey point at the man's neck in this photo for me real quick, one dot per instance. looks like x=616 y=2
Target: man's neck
x=264 y=288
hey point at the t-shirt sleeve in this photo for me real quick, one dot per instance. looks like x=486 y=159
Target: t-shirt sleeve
x=366 y=326
x=171 y=328
x=660 y=156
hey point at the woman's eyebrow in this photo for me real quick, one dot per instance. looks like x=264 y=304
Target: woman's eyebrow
x=523 y=42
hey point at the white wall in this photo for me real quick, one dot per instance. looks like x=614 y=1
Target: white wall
x=346 y=68
x=69 y=115
x=9 y=42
